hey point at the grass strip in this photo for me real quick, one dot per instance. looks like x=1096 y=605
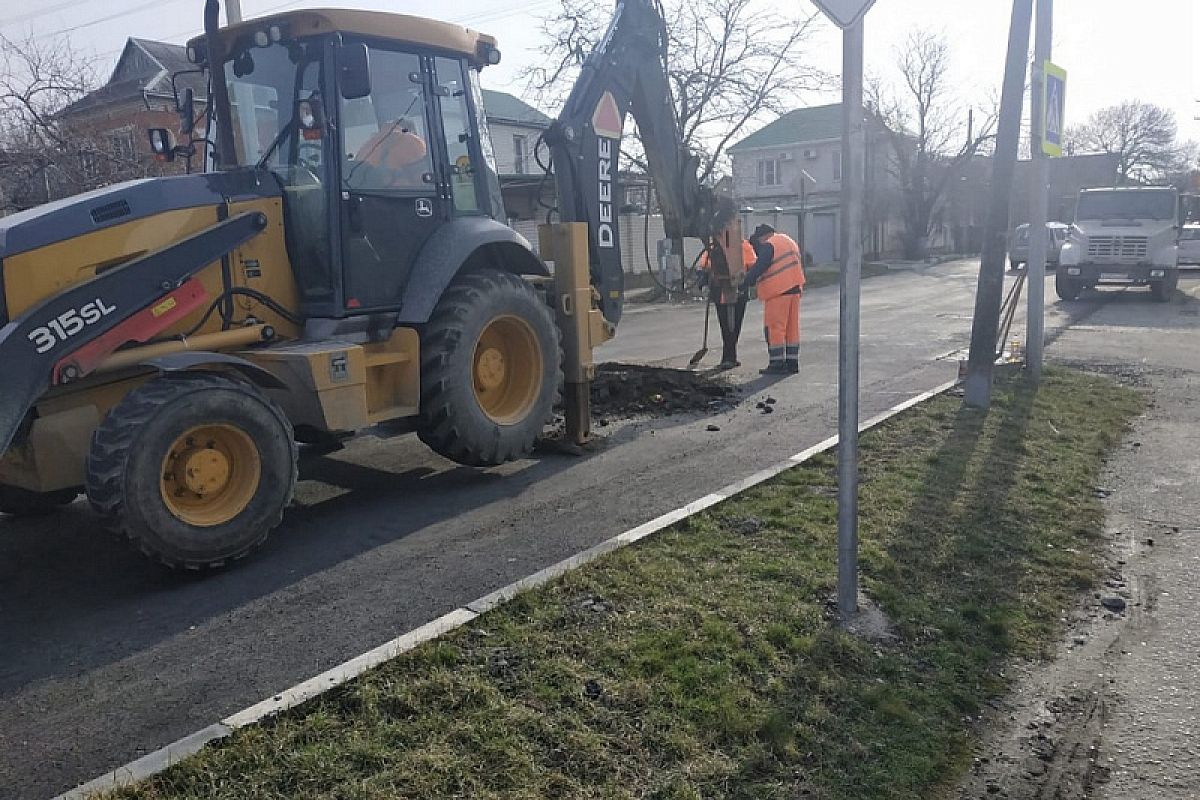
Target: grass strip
x=705 y=662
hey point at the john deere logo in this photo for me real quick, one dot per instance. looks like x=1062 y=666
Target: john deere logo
x=424 y=207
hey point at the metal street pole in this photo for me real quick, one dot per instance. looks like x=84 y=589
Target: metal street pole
x=233 y=12
x=853 y=174
x=986 y=324
x=1039 y=201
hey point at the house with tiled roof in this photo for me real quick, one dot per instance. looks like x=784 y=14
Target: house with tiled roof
x=791 y=170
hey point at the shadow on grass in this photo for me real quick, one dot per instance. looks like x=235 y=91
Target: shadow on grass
x=968 y=513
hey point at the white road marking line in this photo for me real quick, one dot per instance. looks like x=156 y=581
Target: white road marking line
x=159 y=760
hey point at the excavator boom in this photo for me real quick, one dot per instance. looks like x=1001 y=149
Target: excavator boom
x=627 y=74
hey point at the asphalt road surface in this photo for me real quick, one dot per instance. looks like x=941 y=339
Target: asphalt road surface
x=105 y=656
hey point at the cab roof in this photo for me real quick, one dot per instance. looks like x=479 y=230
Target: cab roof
x=378 y=24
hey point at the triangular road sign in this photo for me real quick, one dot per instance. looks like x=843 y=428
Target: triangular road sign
x=844 y=13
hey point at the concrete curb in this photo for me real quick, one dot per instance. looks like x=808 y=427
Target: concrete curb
x=157 y=761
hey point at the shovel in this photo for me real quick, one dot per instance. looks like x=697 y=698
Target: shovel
x=703 y=351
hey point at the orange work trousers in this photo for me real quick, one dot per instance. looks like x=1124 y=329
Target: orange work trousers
x=782 y=327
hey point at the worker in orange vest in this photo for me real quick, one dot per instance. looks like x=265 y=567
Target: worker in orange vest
x=396 y=156
x=779 y=275
x=730 y=303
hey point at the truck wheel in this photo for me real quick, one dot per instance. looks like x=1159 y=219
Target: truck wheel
x=195 y=469
x=489 y=370
x=1067 y=288
x=1164 y=290
x=19 y=502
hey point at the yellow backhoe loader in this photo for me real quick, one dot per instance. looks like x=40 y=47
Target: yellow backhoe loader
x=340 y=261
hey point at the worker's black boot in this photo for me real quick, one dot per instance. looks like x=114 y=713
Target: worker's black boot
x=729 y=358
x=775 y=368
x=793 y=366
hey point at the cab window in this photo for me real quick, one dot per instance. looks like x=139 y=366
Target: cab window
x=385 y=143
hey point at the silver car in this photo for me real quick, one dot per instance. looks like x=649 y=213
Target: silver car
x=1018 y=244
x=1189 y=245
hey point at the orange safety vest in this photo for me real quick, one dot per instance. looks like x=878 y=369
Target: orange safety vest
x=748 y=257
x=392 y=148
x=785 y=273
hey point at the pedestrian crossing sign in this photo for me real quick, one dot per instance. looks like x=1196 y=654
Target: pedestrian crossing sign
x=1054 y=98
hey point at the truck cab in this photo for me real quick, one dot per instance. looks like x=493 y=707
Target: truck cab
x=1122 y=237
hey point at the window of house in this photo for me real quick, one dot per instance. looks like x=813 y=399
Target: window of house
x=837 y=165
x=122 y=146
x=768 y=172
x=520 y=160
x=88 y=163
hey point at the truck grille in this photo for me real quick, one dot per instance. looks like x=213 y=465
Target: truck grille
x=1118 y=248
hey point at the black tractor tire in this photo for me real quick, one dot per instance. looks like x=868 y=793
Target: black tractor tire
x=1162 y=291
x=18 y=502
x=1067 y=288
x=454 y=421
x=129 y=455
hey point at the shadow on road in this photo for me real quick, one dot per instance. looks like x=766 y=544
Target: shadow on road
x=1135 y=308
x=73 y=597
x=65 y=584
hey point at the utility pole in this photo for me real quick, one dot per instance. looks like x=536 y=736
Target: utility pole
x=985 y=327
x=1039 y=201
x=853 y=177
x=233 y=12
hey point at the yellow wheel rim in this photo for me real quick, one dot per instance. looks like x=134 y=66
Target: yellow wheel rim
x=507 y=370
x=210 y=474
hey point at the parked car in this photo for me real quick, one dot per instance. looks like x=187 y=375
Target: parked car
x=1189 y=245
x=1018 y=244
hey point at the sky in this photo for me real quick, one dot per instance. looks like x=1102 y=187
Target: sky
x=1112 y=49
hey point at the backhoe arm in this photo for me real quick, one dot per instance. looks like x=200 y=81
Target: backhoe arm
x=626 y=73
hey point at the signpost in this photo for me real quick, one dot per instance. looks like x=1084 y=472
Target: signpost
x=848 y=15
x=1048 y=95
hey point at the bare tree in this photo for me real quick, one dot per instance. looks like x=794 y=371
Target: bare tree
x=1142 y=135
x=933 y=135
x=731 y=63
x=42 y=154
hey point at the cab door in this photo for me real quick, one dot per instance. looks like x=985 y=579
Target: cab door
x=462 y=167
x=391 y=195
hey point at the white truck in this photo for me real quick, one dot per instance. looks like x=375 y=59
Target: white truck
x=1125 y=237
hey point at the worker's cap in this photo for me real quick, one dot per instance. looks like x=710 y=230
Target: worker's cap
x=761 y=231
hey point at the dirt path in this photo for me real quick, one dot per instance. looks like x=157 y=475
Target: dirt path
x=1115 y=715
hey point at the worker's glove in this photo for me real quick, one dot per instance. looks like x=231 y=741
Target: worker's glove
x=702 y=279
x=744 y=288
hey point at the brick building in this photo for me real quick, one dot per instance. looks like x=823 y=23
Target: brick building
x=110 y=123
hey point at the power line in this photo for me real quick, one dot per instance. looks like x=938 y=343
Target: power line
x=40 y=12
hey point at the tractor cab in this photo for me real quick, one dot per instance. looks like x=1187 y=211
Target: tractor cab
x=372 y=125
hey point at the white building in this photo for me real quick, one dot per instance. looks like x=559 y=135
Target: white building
x=792 y=169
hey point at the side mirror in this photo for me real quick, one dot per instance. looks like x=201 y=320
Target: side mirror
x=162 y=144
x=187 y=112
x=311 y=118
x=354 y=71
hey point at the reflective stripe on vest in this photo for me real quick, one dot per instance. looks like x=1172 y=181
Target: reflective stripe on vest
x=785 y=272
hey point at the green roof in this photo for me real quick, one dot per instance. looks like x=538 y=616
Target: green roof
x=802 y=125
x=503 y=107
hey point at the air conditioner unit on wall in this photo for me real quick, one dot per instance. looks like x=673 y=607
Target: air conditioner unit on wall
x=810 y=154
